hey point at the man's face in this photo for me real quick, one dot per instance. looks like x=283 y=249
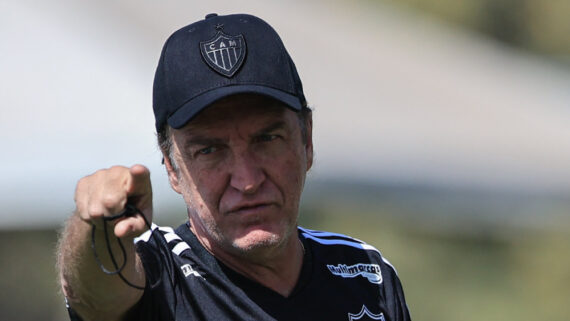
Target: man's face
x=242 y=165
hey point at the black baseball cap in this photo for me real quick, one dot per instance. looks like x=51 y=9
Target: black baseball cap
x=218 y=57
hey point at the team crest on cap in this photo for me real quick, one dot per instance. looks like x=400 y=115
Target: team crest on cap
x=364 y=314
x=224 y=53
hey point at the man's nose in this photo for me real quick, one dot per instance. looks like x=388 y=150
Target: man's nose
x=247 y=174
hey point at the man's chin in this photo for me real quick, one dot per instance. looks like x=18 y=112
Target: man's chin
x=257 y=240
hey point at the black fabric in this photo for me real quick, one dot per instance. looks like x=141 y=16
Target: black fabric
x=365 y=287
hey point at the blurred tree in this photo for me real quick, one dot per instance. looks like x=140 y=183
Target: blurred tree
x=505 y=20
x=541 y=26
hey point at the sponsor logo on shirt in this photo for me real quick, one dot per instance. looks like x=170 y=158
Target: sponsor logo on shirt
x=369 y=271
x=365 y=314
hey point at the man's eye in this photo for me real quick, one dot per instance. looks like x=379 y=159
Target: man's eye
x=266 y=138
x=207 y=150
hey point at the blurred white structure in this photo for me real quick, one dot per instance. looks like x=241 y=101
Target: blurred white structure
x=396 y=98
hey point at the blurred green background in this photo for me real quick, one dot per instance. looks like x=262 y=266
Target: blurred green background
x=540 y=26
x=463 y=254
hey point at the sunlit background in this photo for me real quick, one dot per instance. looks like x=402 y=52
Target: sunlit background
x=441 y=130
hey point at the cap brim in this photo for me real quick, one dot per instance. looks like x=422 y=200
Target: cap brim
x=190 y=109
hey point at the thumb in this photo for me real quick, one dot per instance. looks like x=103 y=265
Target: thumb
x=130 y=226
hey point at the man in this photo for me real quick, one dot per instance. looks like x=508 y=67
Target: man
x=236 y=134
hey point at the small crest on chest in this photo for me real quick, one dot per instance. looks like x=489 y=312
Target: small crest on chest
x=365 y=315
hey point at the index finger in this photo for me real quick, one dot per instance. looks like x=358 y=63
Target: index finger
x=138 y=183
x=139 y=190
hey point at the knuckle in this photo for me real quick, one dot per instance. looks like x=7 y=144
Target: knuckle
x=111 y=200
x=94 y=211
x=117 y=169
x=80 y=205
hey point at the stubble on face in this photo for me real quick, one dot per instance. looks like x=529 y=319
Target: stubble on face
x=207 y=186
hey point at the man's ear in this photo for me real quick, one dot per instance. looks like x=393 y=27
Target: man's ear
x=172 y=174
x=309 y=141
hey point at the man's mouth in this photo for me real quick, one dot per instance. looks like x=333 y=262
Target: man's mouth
x=253 y=208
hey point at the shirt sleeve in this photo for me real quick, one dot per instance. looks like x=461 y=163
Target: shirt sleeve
x=73 y=316
x=395 y=297
x=154 y=304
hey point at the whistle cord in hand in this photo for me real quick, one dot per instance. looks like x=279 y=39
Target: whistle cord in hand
x=129 y=210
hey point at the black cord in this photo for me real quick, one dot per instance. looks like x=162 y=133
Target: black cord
x=129 y=210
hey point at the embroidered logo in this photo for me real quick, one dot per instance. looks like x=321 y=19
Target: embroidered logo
x=187 y=270
x=369 y=271
x=364 y=314
x=224 y=53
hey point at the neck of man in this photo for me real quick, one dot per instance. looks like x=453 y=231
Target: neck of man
x=277 y=268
